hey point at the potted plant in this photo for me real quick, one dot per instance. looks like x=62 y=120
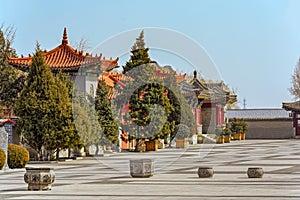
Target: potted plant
x=236 y=129
x=244 y=129
x=227 y=135
x=220 y=136
x=151 y=145
x=183 y=131
x=200 y=139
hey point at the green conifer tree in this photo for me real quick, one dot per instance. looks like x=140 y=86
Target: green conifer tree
x=104 y=112
x=36 y=104
x=86 y=120
x=145 y=94
x=64 y=134
x=44 y=110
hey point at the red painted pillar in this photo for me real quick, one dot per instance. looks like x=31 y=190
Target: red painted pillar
x=200 y=116
x=195 y=117
x=222 y=115
x=217 y=115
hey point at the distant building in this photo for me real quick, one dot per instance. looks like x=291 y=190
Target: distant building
x=294 y=107
x=213 y=97
x=265 y=123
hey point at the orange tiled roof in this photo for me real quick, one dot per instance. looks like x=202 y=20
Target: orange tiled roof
x=66 y=58
x=163 y=74
x=111 y=79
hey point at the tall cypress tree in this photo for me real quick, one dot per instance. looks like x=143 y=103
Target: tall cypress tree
x=36 y=104
x=44 y=110
x=85 y=118
x=104 y=112
x=64 y=134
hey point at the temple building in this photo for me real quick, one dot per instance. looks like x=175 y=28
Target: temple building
x=213 y=97
x=84 y=68
x=208 y=99
x=295 y=108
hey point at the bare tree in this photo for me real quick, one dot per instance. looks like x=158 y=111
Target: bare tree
x=295 y=88
x=82 y=45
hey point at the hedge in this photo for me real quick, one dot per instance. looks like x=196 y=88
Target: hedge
x=2 y=158
x=18 y=156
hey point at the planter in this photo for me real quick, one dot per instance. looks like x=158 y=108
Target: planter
x=151 y=145
x=141 y=146
x=39 y=178
x=200 y=140
x=237 y=136
x=255 y=172
x=205 y=172
x=243 y=136
x=227 y=138
x=142 y=168
x=220 y=140
x=181 y=143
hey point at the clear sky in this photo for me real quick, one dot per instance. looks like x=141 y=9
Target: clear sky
x=255 y=44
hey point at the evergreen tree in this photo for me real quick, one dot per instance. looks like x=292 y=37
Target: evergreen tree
x=149 y=107
x=44 y=110
x=36 y=104
x=104 y=112
x=139 y=57
x=11 y=80
x=64 y=134
x=66 y=79
x=182 y=113
x=86 y=121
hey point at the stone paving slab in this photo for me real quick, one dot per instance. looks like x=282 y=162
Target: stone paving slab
x=175 y=174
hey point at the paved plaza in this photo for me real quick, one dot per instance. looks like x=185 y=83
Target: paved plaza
x=175 y=174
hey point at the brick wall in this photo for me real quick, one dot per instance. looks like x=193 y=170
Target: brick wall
x=270 y=129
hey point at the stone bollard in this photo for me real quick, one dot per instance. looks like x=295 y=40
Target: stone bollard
x=40 y=178
x=141 y=168
x=205 y=172
x=255 y=172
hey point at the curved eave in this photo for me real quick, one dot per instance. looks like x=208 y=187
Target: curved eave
x=293 y=106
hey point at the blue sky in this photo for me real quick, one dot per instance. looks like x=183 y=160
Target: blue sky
x=254 y=44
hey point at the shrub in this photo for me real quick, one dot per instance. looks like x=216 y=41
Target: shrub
x=182 y=131
x=18 y=156
x=226 y=131
x=2 y=158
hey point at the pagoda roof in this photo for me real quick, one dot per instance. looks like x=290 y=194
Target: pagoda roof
x=293 y=106
x=161 y=73
x=110 y=79
x=212 y=92
x=66 y=58
x=4 y=121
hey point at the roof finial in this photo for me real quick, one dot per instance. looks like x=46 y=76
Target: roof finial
x=65 y=37
x=195 y=74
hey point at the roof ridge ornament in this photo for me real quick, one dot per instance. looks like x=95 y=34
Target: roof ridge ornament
x=65 y=37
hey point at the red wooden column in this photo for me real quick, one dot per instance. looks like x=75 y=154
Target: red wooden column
x=222 y=116
x=200 y=116
x=195 y=118
x=217 y=115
